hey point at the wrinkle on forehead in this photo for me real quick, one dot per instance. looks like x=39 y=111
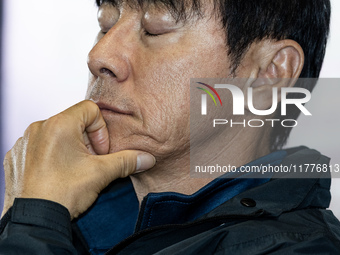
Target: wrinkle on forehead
x=180 y=10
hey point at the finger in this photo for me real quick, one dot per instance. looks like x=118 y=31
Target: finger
x=122 y=164
x=88 y=116
x=88 y=144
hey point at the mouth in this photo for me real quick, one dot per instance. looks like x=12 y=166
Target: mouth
x=113 y=109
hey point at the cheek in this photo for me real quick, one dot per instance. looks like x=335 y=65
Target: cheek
x=168 y=91
x=164 y=87
x=166 y=113
x=164 y=100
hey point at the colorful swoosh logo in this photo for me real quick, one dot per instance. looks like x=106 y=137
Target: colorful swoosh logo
x=208 y=92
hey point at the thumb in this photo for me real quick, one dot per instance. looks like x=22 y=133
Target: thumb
x=121 y=164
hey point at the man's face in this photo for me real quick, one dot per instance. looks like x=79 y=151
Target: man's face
x=140 y=75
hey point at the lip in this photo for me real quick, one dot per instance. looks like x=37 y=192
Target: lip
x=105 y=107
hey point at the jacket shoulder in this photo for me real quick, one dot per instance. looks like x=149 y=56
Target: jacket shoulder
x=312 y=231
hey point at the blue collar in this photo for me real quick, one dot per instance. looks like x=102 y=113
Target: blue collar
x=113 y=217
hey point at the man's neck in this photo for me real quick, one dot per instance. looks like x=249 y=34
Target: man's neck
x=174 y=175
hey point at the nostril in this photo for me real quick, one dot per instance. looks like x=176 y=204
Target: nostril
x=108 y=72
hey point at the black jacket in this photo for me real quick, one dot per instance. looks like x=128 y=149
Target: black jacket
x=283 y=216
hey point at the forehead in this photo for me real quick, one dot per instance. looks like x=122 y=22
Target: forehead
x=180 y=10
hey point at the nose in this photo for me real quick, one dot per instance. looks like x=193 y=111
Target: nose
x=110 y=57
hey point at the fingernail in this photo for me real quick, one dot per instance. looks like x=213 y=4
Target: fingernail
x=144 y=162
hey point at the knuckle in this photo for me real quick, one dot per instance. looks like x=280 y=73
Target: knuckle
x=17 y=147
x=8 y=155
x=55 y=121
x=56 y=125
x=89 y=106
x=81 y=106
x=32 y=128
x=125 y=164
x=88 y=103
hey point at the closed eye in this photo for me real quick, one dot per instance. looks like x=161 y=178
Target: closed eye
x=147 y=33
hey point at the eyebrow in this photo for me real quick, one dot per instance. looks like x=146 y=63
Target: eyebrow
x=180 y=10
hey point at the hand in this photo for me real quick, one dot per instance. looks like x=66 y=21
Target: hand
x=64 y=159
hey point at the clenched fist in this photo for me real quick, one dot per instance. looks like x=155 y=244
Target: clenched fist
x=64 y=159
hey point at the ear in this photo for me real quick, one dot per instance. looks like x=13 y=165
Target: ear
x=276 y=64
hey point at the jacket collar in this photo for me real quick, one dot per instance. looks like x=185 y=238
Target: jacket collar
x=285 y=192
x=174 y=208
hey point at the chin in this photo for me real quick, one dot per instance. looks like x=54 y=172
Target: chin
x=131 y=143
